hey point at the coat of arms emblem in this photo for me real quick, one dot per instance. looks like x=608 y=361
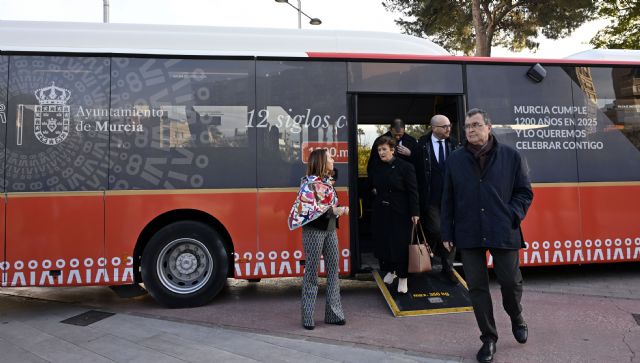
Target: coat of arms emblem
x=51 y=122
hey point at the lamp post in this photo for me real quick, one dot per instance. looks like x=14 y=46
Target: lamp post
x=312 y=21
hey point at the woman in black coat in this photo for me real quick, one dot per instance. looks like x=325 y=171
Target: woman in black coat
x=395 y=208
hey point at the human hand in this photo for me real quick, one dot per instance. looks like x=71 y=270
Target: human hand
x=345 y=210
x=448 y=245
x=403 y=150
x=415 y=219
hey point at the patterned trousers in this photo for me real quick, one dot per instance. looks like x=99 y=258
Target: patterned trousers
x=315 y=243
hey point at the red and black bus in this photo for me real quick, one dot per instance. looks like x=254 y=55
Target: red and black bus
x=171 y=155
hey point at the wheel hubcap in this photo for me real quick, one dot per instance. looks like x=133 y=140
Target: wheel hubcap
x=184 y=265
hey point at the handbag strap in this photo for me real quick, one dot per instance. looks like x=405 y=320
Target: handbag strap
x=424 y=238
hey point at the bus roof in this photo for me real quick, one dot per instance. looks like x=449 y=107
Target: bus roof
x=608 y=55
x=29 y=36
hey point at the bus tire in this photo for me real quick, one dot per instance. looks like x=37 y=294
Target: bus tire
x=184 y=264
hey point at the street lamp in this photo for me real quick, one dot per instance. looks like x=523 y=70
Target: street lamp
x=312 y=21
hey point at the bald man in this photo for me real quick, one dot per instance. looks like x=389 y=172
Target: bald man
x=434 y=148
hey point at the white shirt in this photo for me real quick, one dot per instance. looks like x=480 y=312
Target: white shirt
x=436 y=145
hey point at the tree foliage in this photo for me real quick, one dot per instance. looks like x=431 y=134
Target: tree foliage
x=474 y=26
x=624 y=30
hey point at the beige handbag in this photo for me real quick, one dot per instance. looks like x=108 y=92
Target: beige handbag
x=419 y=251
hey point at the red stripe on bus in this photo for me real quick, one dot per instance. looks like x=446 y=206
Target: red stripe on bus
x=452 y=58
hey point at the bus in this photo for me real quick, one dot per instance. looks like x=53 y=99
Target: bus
x=171 y=155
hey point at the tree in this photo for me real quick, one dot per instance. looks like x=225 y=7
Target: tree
x=474 y=26
x=623 y=31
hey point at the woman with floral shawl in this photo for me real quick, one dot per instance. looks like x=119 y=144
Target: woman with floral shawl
x=316 y=210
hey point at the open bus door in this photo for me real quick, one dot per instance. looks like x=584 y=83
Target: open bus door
x=371 y=115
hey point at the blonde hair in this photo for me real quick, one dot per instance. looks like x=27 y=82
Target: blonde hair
x=317 y=164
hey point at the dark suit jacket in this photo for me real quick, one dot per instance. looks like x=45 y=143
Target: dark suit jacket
x=426 y=165
x=484 y=208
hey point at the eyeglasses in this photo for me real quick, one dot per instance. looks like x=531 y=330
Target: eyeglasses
x=475 y=125
x=444 y=126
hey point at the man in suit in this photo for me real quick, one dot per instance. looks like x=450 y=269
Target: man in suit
x=486 y=195
x=434 y=148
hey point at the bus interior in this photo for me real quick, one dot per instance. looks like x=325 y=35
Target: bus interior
x=372 y=114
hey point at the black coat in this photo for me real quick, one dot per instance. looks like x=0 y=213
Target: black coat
x=484 y=209
x=395 y=202
x=425 y=168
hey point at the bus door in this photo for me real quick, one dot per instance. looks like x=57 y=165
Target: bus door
x=374 y=114
x=378 y=93
x=56 y=170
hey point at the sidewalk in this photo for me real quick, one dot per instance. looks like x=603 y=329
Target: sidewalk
x=32 y=332
x=575 y=314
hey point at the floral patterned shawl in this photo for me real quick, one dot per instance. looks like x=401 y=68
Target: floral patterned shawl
x=315 y=197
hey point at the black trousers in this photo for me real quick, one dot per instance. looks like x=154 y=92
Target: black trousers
x=431 y=223
x=506 y=265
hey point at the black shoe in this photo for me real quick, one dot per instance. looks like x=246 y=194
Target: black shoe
x=339 y=322
x=520 y=332
x=485 y=354
x=450 y=277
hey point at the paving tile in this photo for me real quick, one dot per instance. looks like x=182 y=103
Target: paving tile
x=57 y=350
x=11 y=353
x=191 y=351
x=121 y=350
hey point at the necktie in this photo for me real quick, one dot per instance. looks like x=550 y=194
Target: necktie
x=440 y=153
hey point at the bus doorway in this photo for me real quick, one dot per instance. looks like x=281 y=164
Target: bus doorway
x=372 y=115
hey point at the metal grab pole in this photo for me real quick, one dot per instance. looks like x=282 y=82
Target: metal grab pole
x=105 y=11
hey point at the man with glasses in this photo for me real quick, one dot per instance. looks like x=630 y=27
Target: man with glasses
x=435 y=147
x=486 y=195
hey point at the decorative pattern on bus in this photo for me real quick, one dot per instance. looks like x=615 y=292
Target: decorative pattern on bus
x=286 y=264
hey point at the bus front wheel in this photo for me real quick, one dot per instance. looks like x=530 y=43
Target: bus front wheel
x=184 y=264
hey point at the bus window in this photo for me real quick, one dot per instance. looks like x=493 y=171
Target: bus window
x=537 y=119
x=300 y=106
x=608 y=102
x=182 y=124
x=4 y=69
x=405 y=78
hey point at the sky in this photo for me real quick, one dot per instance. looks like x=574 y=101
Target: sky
x=335 y=14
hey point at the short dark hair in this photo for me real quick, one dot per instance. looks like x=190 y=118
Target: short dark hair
x=385 y=140
x=397 y=124
x=475 y=111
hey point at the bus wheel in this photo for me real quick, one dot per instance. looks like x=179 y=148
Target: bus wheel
x=184 y=264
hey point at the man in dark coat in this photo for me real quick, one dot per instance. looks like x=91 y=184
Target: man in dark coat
x=486 y=195
x=434 y=148
x=406 y=146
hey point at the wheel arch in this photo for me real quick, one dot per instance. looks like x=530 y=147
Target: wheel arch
x=178 y=215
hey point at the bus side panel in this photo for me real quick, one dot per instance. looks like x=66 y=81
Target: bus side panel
x=611 y=227
x=281 y=252
x=537 y=119
x=608 y=99
x=3 y=276
x=129 y=212
x=4 y=75
x=301 y=107
x=56 y=169
x=55 y=231
x=552 y=227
